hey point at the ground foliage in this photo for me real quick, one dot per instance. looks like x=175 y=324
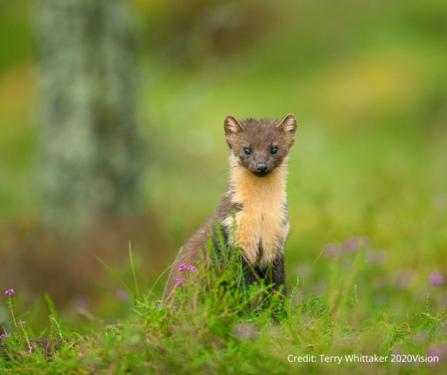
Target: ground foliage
x=215 y=326
x=366 y=193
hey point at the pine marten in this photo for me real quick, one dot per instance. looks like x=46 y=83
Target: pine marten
x=255 y=199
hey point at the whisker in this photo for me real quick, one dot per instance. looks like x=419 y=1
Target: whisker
x=225 y=171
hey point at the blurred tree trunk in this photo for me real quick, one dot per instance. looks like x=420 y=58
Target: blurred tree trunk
x=88 y=144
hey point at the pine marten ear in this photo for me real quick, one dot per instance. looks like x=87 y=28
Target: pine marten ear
x=288 y=126
x=231 y=126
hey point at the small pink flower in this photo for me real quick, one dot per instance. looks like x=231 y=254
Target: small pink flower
x=436 y=278
x=192 y=269
x=439 y=351
x=180 y=281
x=122 y=294
x=330 y=250
x=182 y=267
x=350 y=245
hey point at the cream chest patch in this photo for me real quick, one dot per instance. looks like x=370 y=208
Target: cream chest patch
x=262 y=222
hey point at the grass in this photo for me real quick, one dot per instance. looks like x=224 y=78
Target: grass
x=214 y=325
x=367 y=84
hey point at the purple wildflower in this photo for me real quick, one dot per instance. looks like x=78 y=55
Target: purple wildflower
x=180 y=281
x=330 y=250
x=122 y=294
x=9 y=292
x=436 y=279
x=350 y=245
x=23 y=323
x=81 y=302
x=439 y=351
x=192 y=269
x=30 y=351
x=7 y=336
x=182 y=267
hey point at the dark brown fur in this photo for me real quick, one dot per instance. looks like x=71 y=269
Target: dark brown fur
x=260 y=137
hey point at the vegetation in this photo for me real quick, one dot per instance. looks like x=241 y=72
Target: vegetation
x=215 y=326
x=367 y=194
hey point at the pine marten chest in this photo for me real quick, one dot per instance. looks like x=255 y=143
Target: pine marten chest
x=262 y=221
x=253 y=212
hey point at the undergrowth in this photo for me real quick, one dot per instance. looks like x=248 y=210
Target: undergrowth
x=213 y=325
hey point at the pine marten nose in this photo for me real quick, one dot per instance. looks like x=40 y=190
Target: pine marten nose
x=261 y=167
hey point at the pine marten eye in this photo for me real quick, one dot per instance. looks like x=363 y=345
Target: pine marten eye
x=274 y=150
x=247 y=151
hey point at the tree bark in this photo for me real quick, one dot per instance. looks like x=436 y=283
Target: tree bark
x=88 y=145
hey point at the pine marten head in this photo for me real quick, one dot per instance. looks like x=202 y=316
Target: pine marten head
x=260 y=145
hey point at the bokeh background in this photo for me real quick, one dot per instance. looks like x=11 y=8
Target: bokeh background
x=367 y=81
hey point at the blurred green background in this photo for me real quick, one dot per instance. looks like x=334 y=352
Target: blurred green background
x=367 y=81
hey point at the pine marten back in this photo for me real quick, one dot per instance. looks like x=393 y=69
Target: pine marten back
x=254 y=203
